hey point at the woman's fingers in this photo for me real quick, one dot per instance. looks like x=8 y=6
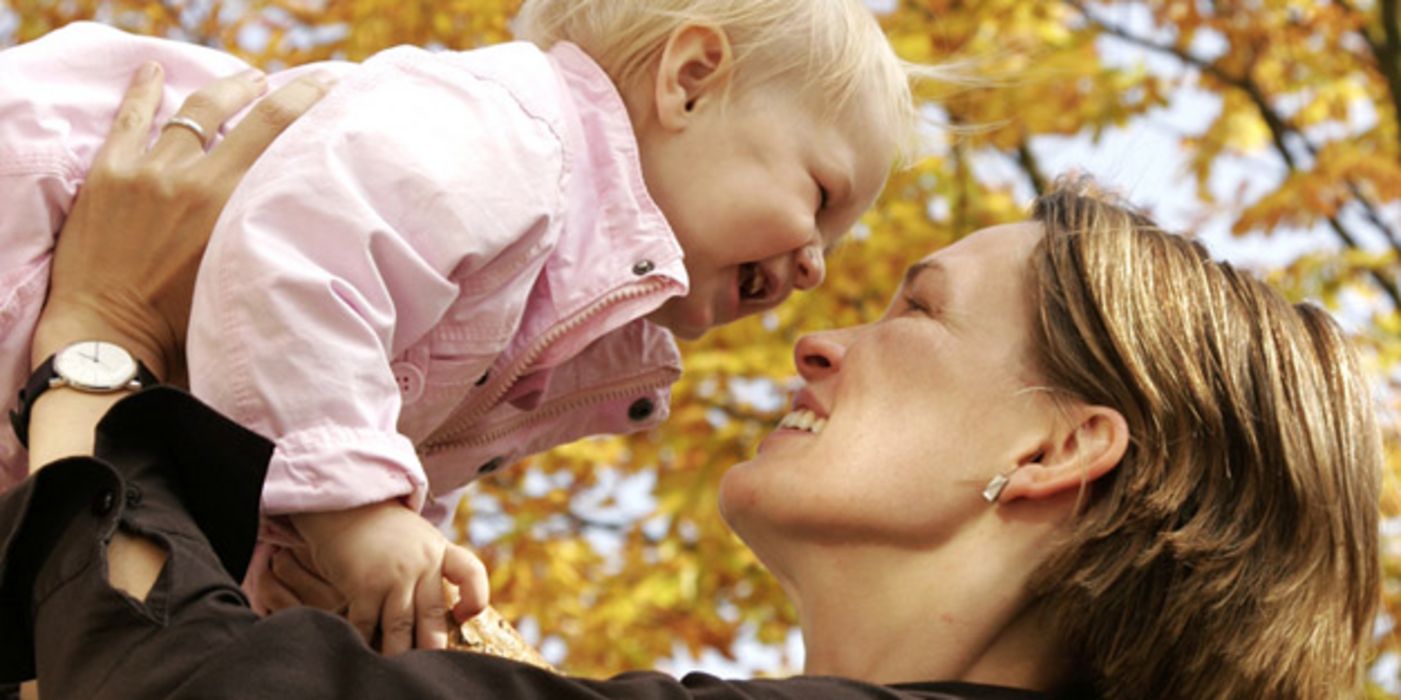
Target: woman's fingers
x=186 y=134
x=131 y=128
x=246 y=141
x=138 y=284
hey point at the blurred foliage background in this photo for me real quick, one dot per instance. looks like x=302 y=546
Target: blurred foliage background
x=1285 y=125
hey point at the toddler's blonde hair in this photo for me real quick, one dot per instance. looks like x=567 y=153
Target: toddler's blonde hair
x=832 y=50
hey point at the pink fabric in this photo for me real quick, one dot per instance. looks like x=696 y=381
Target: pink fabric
x=57 y=99
x=386 y=262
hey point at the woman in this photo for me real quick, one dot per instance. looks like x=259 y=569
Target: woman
x=1076 y=457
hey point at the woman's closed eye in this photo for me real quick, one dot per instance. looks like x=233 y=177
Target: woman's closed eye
x=916 y=305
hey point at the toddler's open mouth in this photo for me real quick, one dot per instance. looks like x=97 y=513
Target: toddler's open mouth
x=753 y=283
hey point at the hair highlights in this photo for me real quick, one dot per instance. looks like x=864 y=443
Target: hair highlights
x=1234 y=551
x=834 y=50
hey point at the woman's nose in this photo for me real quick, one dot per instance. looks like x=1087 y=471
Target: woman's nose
x=818 y=355
x=810 y=268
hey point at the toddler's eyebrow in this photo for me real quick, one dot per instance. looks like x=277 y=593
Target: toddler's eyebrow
x=839 y=192
x=843 y=183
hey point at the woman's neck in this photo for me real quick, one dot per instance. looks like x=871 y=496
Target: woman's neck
x=959 y=613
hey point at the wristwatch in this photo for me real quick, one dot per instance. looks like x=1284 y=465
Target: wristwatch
x=93 y=366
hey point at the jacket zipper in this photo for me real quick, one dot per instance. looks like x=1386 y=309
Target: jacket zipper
x=470 y=412
x=656 y=379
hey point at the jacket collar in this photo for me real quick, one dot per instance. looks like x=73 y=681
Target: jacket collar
x=614 y=234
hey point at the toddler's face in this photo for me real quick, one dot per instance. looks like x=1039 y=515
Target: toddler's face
x=757 y=193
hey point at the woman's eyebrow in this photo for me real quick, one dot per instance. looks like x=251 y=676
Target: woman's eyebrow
x=914 y=271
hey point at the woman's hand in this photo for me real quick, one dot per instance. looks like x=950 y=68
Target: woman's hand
x=125 y=264
x=126 y=258
x=391 y=565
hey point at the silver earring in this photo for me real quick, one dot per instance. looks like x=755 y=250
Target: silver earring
x=993 y=490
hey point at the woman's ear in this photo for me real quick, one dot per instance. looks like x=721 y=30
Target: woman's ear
x=1083 y=448
x=695 y=66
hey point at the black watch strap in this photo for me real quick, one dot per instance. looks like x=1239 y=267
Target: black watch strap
x=41 y=381
x=38 y=383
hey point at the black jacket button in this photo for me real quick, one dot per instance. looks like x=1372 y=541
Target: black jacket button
x=641 y=410
x=103 y=502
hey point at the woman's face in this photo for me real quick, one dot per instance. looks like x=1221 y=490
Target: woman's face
x=921 y=408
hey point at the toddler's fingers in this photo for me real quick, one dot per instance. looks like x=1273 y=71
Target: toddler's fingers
x=430 y=612
x=273 y=594
x=397 y=619
x=363 y=615
x=464 y=569
x=304 y=584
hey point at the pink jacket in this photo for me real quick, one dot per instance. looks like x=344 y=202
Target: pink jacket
x=441 y=268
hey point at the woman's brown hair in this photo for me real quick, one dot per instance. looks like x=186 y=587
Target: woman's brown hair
x=1234 y=551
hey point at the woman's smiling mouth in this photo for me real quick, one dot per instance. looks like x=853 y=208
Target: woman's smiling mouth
x=803 y=419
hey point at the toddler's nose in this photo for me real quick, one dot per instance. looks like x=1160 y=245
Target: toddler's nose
x=810 y=267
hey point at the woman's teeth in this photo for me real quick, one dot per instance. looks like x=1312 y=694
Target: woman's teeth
x=803 y=419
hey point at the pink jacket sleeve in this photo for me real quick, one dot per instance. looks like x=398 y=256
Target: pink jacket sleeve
x=346 y=244
x=34 y=198
x=57 y=98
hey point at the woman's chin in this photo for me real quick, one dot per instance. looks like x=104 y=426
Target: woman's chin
x=741 y=501
x=734 y=497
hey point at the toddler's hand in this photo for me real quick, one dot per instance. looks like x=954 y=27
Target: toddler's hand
x=290 y=580
x=390 y=564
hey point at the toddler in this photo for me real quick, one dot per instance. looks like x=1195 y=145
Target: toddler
x=460 y=258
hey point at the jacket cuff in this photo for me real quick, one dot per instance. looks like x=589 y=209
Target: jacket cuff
x=33 y=516
x=214 y=466
x=337 y=468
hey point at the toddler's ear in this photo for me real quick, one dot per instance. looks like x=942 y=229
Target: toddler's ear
x=696 y=65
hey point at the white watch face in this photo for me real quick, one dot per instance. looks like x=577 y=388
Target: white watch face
x=95 y=366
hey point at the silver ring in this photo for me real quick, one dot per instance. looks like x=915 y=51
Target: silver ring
x=190 y=124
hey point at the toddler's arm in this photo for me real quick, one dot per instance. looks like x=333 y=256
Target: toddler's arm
x=391 y=203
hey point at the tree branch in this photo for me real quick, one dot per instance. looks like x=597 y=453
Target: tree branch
x=1278 y=127
x=1388 y=53
x=1031 y=167
x=1383 y=280
x=1385 y=51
